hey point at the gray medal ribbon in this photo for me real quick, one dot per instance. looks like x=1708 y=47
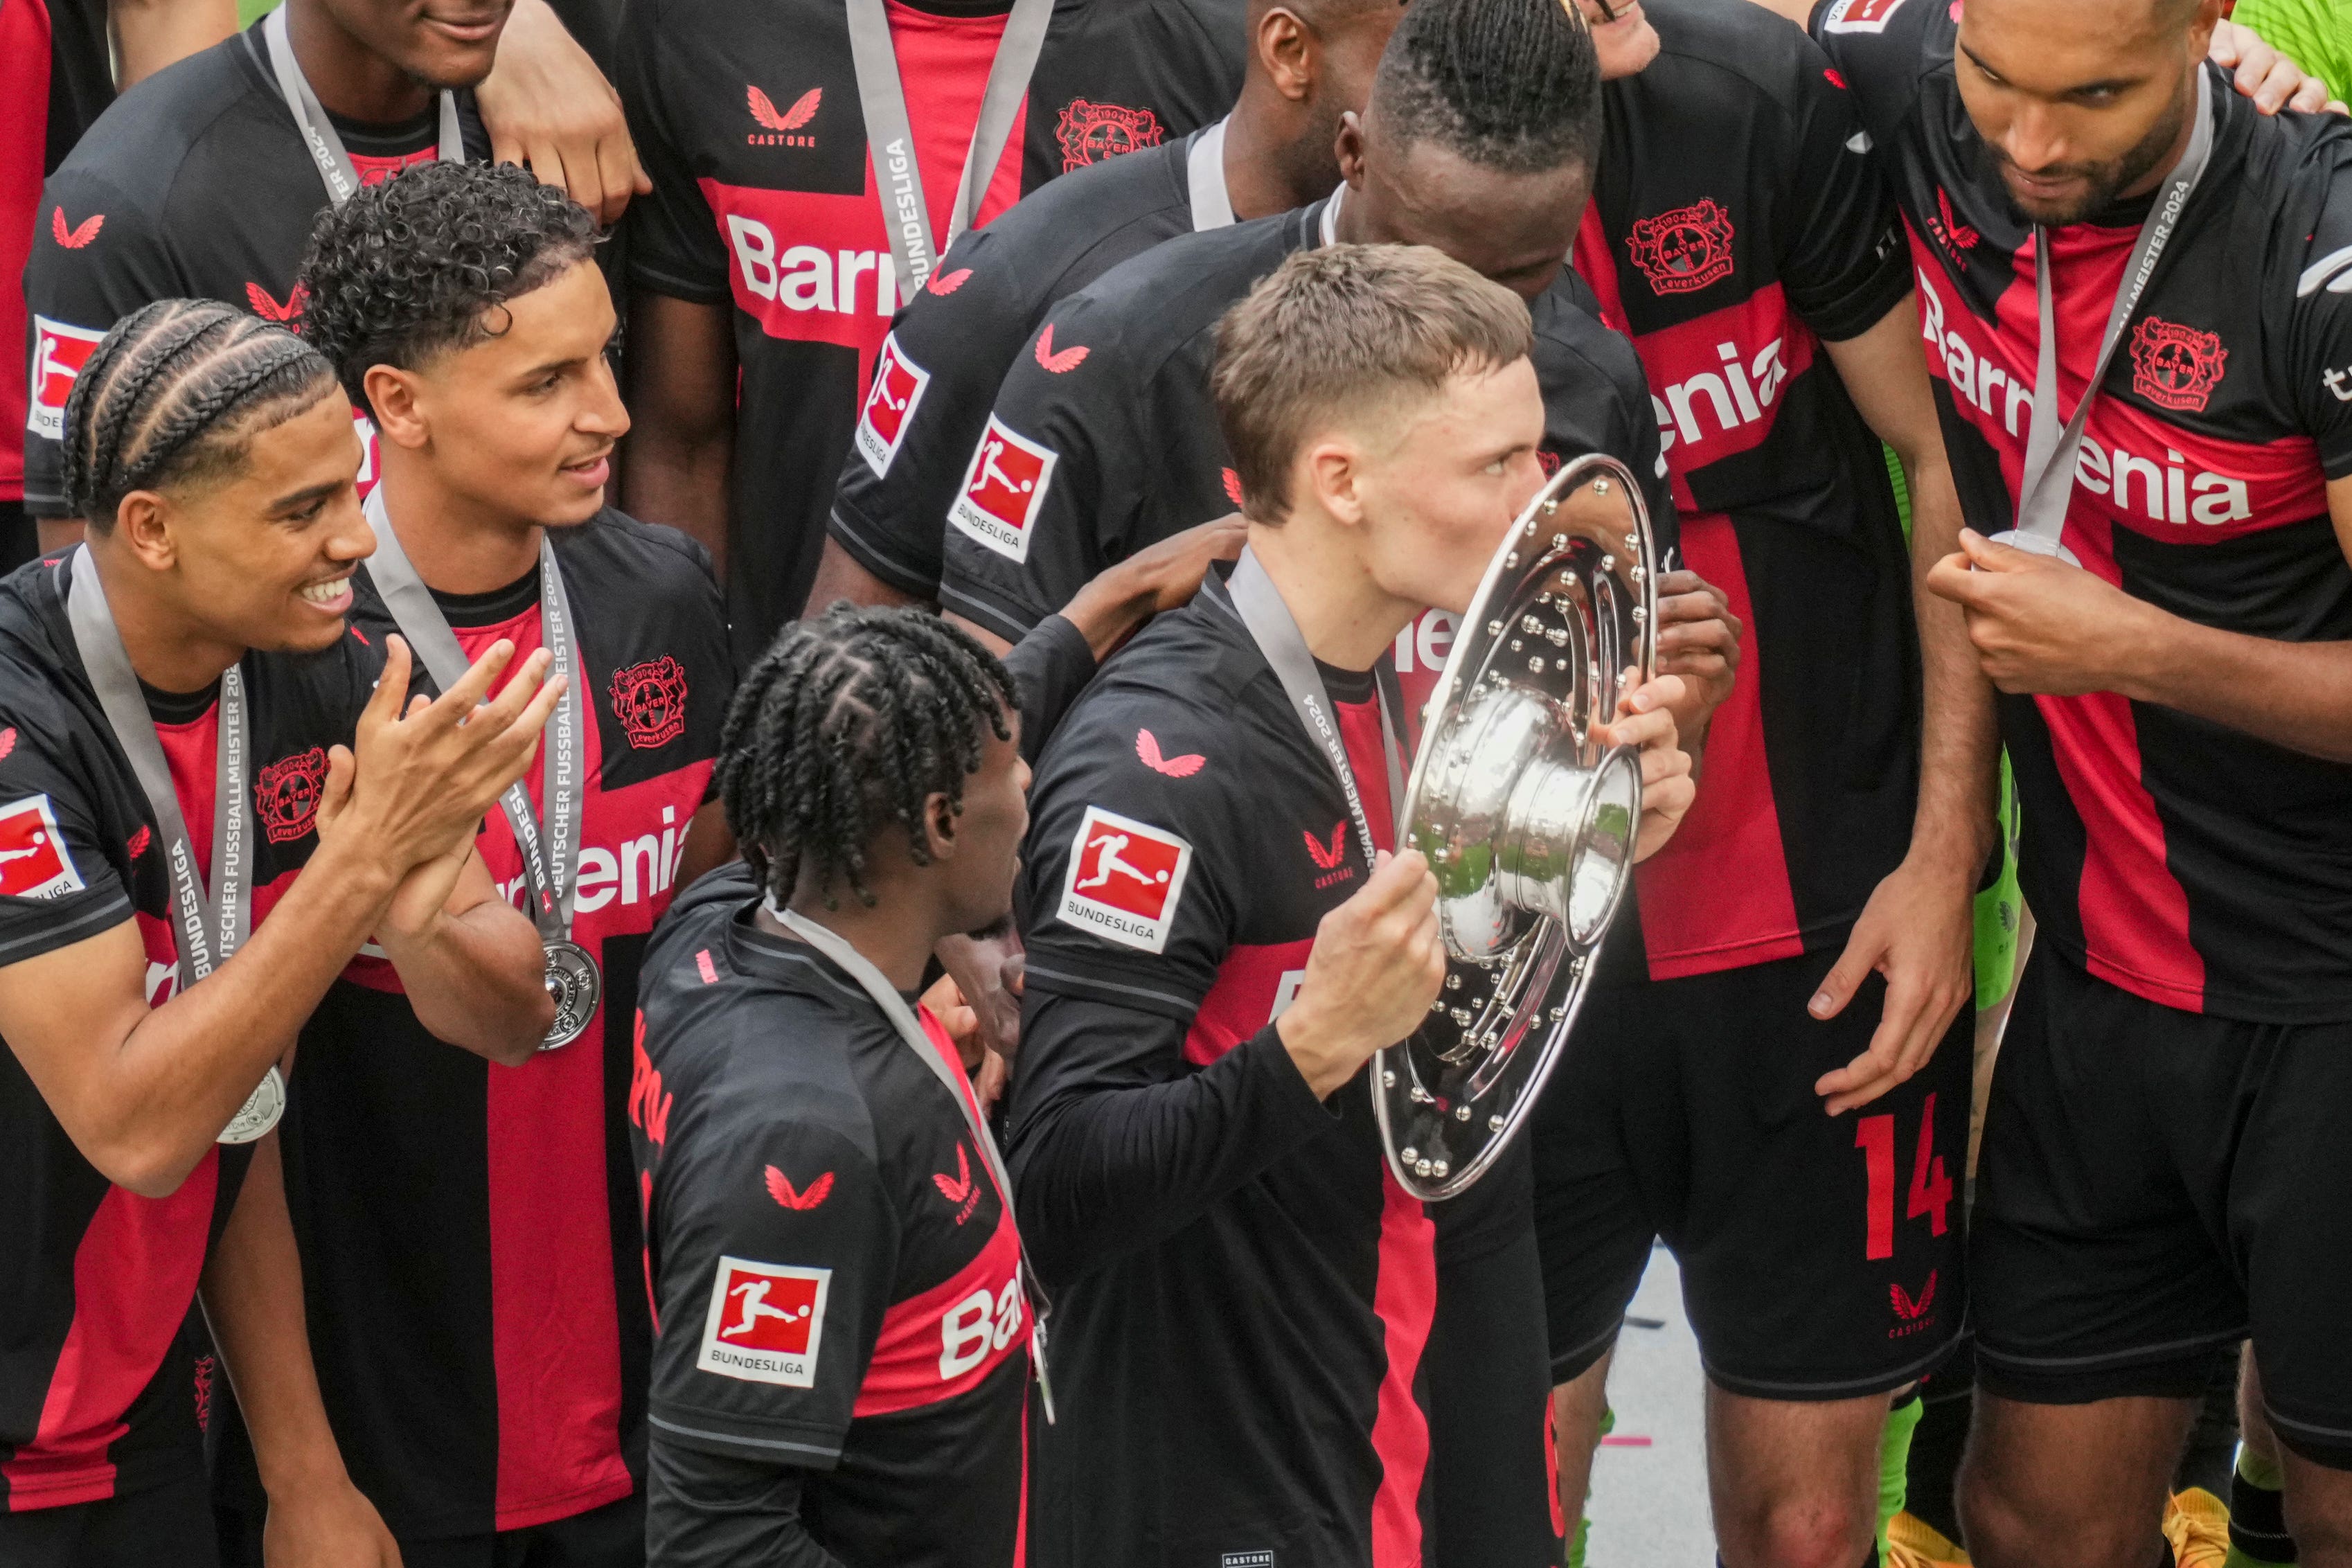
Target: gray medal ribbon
x=1205 y=178
x=1270 y=625
x=550 y=859
x=327 y=150
x=209 y=924
x=902 y=1017
x=2047 y=483
x=890 y=137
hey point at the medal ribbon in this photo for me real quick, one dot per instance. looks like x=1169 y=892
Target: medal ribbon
x=327 y=150
x=209 y=924
x=2047 y=483
x=890 y=137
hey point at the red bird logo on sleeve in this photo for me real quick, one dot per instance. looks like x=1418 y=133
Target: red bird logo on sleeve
x=959 y=1189
x=1066 y=360
x=803 y=110
x=7 y=741
x=1147 y=748
x=948 y=282
x=1233 y=485
x=779 y=1187
x=76 y=237
x=138 y=841
x=265 y=306
x=1325 y=860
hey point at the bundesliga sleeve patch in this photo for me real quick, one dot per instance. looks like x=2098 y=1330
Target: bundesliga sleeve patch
x=34 y=863
x=1860 y=15
x=764 y=1322
x=1002 y=487
x=1125 y=879
x=882 y=423
x=59 y=351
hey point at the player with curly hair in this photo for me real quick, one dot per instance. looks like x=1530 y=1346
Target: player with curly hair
x=845 y=1335
x=480 y=1222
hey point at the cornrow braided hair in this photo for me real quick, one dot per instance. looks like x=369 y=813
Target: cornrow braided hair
x=1510 y=85
x=173 y=394
x=846 y=726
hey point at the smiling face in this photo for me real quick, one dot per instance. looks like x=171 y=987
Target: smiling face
x=440 y=43
x=263 y=556
x=523 y=421
x=2081 y=101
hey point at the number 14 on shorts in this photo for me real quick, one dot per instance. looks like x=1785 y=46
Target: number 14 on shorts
x=1931 y=1188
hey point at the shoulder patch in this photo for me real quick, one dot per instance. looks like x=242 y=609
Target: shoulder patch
x=898 y=384
x=1004 y=486
x=1125 y=881
x=765 y=1321
x=1860 y=15
x=59 y=351
x=33 y=862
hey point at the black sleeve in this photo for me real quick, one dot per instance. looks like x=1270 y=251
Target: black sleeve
x=745 y=1256
x=1050 y=667
x=1117 y=1143
x=1843 y=261
x=58 y=886
x=944 y=360
x=1065 y=432
x=710 y=1510
x=96 y=258
x=2320 y=331
x=1878 y=48
x=673 y=243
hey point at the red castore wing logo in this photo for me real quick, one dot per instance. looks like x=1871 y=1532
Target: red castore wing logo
x=81 y=234
x=138 y=841
x=948 y=282
x=265 y=306
x=803 y=110
x=1325 y=860
x=959 y=1189
x=1961 y=236
x=1909 y=1311
x=1146 y=747
x=7 y=741
x=1233 y=485
x=779 y=1187
x=1068 y=359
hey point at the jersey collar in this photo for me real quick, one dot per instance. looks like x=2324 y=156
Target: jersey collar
x=1204 y=174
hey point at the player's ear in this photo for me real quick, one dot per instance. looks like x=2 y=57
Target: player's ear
x=939 y=826
x=392 y=396
x=1348 y=147
x=144 y=522
x=1331 y=471
x=1285 y=47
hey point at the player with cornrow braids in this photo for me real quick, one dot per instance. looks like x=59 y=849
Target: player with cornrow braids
x=188 y=726
x=461 y=306
x=845 y=1337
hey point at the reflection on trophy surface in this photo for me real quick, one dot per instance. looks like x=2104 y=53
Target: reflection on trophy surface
x=1527 y=824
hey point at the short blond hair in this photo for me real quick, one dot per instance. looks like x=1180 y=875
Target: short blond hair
x=1344 y=327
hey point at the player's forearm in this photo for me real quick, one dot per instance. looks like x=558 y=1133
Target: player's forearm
x=253 y=1301
x=1107 y=1172
x=1952 y=826
x=151 y=34
x=1050 y=667
x=477 y=981
x=2295 y=695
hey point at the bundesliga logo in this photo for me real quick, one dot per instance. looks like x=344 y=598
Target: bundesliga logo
x=1124 y=880
x=59 y=351
x=1002 y=487
x=1685 y=249
x=33 y=859
x=898 y=384
x=765 y=1322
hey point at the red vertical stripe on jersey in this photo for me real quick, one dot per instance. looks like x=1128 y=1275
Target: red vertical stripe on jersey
x=1717 y=895
x=2135 y=912
x=1251 y=986
x=24 y=147
x=1405 y=1297
x=943 y=64
x=134 y=1277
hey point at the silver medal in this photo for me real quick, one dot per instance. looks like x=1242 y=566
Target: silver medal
x=259 y=1113
x=573 y=980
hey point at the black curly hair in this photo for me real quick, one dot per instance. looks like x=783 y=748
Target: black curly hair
x=1510 y=85
x=174 y=395
x=421 y=262
x=846 y=725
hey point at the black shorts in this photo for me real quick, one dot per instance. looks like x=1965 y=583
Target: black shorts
x=612 y=1536
x=169 y=1526
x=2156 y=1186
x=1821 y=1256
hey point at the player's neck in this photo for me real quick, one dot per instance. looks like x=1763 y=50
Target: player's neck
x=893 y=935
x=1269 y=168
x=1347 y=619
x=169 y=649
x=2171 y=159
x=458 y=543
x=351 y=79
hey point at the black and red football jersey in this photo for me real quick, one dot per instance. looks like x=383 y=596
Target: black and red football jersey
x=106 y=1379
x=2187 y=862
x=942 y=363
x=469 y=1231
x=1729 y=273
x=1244 y=1296
x=1104 y=439
x=193 y=185
x=843 y=1352
x=749 y=121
